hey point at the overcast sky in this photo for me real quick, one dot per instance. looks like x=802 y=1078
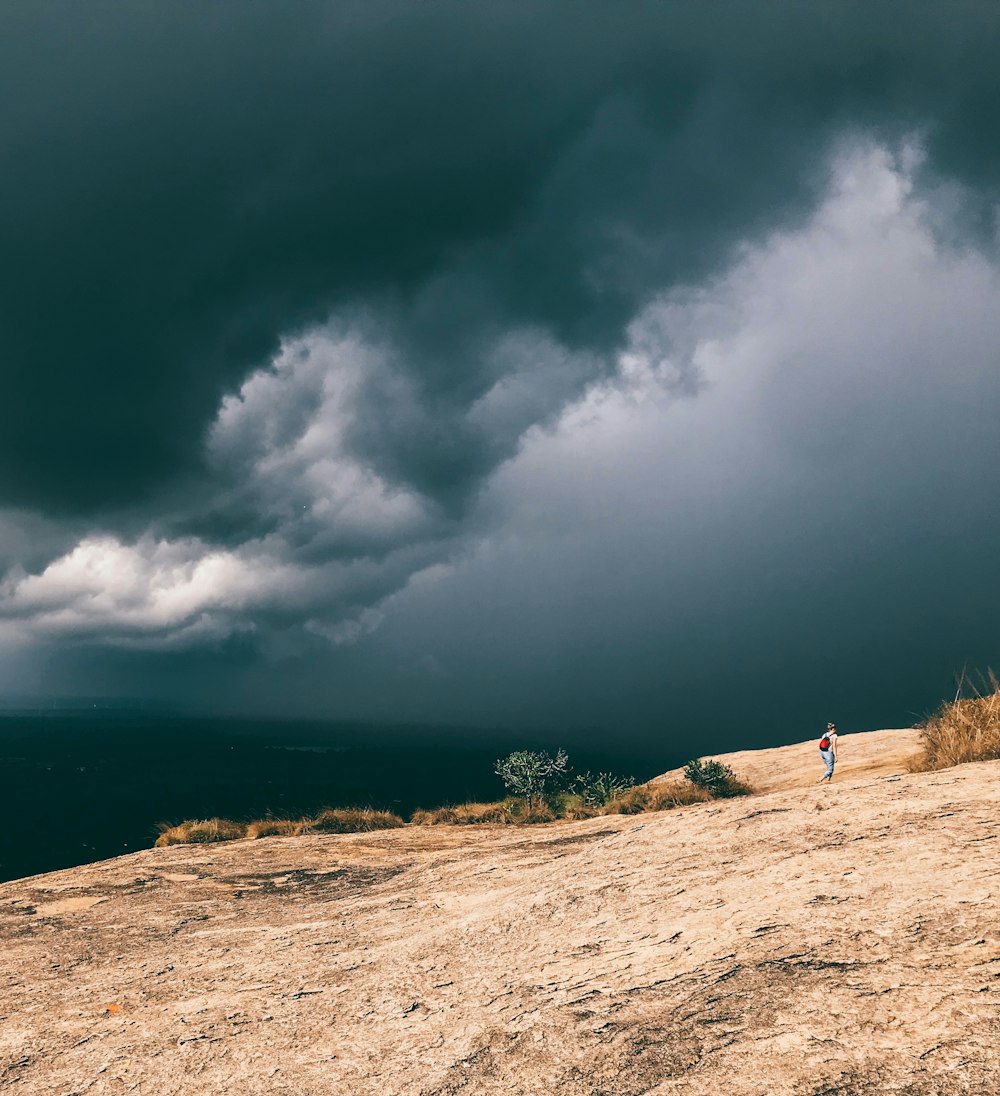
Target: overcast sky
x=524 y=364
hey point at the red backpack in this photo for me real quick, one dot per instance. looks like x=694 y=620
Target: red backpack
x=824 y=742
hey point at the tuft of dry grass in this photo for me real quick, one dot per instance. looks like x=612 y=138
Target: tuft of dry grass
x=274 y=827
x=201 y=831
x=465 y=814
x=351 y=820
x=664 y=796
x=575 y=810
x=531 y=814
x=507 y=812
x=962 y=730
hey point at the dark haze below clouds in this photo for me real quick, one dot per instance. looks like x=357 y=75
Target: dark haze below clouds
x=286 y=288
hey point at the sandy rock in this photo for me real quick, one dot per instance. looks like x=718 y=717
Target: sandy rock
x=812 y=940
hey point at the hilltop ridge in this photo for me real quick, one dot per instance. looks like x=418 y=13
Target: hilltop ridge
x=784 y=768
x=811 y=940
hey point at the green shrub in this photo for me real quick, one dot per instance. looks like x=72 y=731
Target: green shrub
x=599 y=790
x=717 y=779
x=533 y=774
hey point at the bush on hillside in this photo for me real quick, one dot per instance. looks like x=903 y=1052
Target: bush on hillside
x=717 y=779
x=533 y=774
x=599 y=790
x=964 y=729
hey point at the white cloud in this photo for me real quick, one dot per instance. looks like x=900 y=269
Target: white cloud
x=284 y=439
x=180 y=591
x=161 y=594
x=856 y=318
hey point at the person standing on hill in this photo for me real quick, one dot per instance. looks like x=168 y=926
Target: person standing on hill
x=828 y=751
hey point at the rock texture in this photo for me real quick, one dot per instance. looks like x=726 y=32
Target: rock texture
x=812 y=940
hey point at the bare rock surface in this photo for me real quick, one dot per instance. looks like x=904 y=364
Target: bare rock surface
x=785 y=768
x=810 y=941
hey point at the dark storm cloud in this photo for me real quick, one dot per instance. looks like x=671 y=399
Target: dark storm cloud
x=285 y=286
x=181 y=187
x=809 y=538
x=181 y=192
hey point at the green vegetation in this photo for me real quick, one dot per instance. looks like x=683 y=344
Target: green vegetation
x=600 y=790
x=717 y=779
x=533 y=774
x=541 y=788
x=964 y=729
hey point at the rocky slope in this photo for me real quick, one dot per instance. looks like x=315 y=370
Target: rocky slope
x=811 y=940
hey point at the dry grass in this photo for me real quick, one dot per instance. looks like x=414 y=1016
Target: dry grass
x=576 y=810
x=531 y=814
x=466 y=814
x=658 y=797
x=342 y=820
x=962 y=730
x=274 y=827
x=512 y=811
x=200 y=831
x=507 y=812
x=351 y=820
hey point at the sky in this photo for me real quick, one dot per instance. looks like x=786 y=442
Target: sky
x=630 y=366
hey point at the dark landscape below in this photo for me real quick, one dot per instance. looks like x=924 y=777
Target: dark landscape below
x=85 y=786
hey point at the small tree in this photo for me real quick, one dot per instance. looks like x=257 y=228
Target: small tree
x=717 y=779
x=533 y=774
x=599 y=790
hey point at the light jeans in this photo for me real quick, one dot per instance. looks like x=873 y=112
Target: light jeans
x=829 y=759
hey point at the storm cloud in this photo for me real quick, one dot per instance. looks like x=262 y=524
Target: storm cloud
x=307 y=313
